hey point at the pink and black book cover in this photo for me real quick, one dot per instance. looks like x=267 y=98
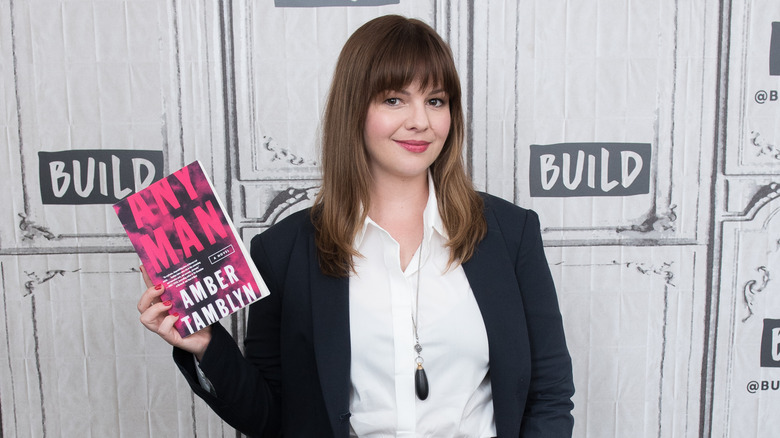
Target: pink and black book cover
x=186 y=242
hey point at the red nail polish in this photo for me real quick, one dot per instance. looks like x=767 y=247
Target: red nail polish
x=166 y=303
x=175 y=313
x=159 y=287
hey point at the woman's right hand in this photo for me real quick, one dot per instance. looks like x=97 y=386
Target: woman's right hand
x=155 y=317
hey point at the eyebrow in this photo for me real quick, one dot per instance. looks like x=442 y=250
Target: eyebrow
x=406 y=92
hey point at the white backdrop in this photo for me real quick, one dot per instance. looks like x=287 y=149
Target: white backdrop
x=671 y=314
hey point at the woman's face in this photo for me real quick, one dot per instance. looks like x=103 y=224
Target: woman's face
x=405 y=131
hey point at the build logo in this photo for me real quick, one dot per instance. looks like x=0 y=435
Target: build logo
x=589 y=169
x=321 y=3
x=770 y=343
x=774 y=50
x=102 y=176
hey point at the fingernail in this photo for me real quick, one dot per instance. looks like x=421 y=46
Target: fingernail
x=159 y=287
x=166 y=303
x=175 y=313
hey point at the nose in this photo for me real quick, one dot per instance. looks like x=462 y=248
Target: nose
x=417 y=118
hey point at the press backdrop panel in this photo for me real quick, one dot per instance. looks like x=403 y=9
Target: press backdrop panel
x=645 y=134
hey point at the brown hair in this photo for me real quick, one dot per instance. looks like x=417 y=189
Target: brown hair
x=388 y=53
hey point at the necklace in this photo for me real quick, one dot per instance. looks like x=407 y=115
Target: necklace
x=420 y=379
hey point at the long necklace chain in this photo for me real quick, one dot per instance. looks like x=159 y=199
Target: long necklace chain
x=420 y=378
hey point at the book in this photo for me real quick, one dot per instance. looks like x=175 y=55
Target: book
x=186 y=242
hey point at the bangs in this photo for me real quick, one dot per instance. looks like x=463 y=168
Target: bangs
x=411 y=53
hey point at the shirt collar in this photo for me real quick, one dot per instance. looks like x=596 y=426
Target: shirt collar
x=432 y=221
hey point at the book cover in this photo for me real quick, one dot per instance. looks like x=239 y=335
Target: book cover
x=186 y=241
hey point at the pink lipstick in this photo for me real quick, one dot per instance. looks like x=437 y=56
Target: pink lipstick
x=416 y=146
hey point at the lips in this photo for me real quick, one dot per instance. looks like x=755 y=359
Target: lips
x=416 y=146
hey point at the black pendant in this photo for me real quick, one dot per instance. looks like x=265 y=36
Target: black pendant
x=421 y=383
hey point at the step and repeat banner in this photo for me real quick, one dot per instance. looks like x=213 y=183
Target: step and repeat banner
x=645 y=134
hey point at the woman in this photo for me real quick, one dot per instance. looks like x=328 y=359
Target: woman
x=403 y=303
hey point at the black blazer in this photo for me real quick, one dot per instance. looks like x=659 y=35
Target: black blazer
x=295 y=380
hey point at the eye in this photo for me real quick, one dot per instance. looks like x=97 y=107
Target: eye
x=437 y=102
x=392 y=101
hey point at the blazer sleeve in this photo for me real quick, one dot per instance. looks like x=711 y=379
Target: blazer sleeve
x=246 y=389
x=548 y=407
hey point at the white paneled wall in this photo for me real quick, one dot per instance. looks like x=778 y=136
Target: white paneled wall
x=667 y=295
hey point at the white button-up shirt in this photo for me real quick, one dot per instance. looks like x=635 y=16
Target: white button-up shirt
x=451 y=331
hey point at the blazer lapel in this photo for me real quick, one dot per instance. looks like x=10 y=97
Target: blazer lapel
x=491 y=276
x=330 y=322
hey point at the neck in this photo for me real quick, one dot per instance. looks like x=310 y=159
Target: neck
x=400 y=199
x=398 y=208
